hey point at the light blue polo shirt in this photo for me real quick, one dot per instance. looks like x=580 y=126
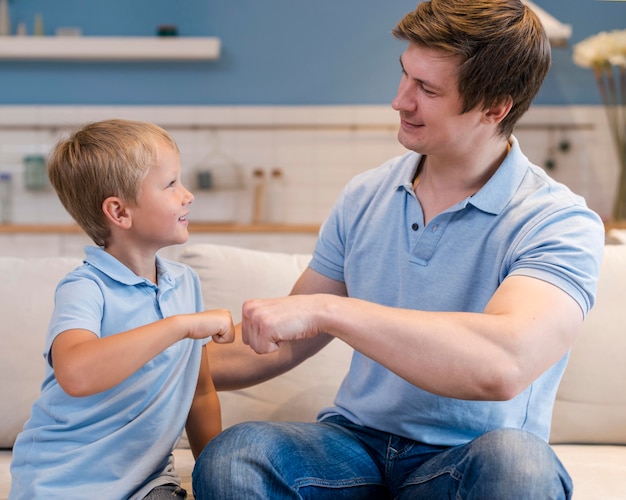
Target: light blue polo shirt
x=521 y=222
x=118 y=443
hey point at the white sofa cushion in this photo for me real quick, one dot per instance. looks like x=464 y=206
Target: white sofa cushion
x=598 y=471
x=27 y=296
x=228 y=276
x=591 y=401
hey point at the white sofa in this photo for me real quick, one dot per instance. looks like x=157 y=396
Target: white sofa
x=589 y=424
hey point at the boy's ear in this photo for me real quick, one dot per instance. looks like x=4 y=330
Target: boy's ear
x=116 y=211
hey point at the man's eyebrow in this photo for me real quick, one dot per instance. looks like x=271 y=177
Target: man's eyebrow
x=419 y=80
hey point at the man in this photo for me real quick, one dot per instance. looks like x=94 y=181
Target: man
x=460 y=273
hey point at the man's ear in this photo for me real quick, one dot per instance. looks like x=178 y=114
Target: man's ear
x=497 y=112
x=116 y=211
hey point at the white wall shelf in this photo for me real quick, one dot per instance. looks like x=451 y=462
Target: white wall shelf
x=88 y=48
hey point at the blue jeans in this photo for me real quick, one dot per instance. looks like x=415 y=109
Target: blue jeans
x=336 y=459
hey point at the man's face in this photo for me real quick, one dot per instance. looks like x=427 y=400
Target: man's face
x=429 y=103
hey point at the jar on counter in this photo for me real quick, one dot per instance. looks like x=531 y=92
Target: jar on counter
x=6 y=198
x=35 y=175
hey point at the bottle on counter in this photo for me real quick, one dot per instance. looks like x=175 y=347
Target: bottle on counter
x=6 y=198
x=38 y=29
x=258 y=196
x=275 y=199
x=5 y=18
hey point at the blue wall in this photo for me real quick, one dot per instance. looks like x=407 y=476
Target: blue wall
x=274 y=52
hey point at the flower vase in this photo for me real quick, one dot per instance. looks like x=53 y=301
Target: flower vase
x=611 y=80
x=619 y=204
x=605 y=53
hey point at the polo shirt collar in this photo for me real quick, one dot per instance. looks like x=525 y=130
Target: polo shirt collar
x=495 y=195
x=98 y=258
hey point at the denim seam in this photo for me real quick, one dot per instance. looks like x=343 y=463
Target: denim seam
x=452 y=471
x=304 y=482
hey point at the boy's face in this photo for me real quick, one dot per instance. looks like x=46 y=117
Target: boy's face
x=159 y=218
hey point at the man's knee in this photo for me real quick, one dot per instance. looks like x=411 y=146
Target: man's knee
x=248 y=438
x=225 y=468
x=514 y=450
x=519 y=462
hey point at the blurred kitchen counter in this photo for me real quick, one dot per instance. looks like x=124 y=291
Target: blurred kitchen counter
x=68 y=240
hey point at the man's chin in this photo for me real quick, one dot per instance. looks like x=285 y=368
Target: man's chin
x=408 y=142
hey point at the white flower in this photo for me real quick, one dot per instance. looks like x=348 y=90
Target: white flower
x=607 y=47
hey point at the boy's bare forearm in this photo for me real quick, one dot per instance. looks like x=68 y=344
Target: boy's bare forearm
x=204 y=421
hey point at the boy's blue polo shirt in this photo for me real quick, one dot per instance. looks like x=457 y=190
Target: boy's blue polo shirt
x=520 y=223
x=120 y=440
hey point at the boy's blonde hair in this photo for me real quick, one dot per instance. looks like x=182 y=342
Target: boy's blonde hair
x=103 y=159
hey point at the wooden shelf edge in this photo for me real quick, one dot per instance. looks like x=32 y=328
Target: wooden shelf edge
x=88 y=48
x=194 y=227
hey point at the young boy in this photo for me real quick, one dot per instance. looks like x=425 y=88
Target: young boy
x=126 y=367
